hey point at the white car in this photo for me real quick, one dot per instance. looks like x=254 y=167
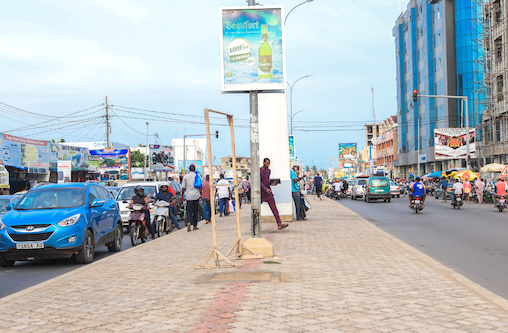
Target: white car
x=126 y=193
x=358 y=189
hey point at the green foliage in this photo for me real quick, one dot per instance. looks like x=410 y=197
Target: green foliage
x=138 y=159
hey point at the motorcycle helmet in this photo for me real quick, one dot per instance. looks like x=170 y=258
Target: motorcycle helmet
x=501 y=179
x=164 y=184
x=417 y=179
x=139 y=190
x=457 y=180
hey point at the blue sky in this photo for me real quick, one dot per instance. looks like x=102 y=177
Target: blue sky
x=58 y=57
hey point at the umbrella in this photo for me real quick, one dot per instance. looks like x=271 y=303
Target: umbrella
x=453 y=172
x=493 y=167
x=466 y=175
x=435 y=174
x=425 y=176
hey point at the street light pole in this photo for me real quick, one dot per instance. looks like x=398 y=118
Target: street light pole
x=291 y=98
x=146 y=147
x=294 y=9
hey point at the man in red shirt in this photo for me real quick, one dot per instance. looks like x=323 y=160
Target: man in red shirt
x=500 y=189
x=266 y=192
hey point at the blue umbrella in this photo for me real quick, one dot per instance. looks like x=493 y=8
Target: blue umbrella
x=435 y=174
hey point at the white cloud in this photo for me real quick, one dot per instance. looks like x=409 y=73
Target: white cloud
x=125 y=8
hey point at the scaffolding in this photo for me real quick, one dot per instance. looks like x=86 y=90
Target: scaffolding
x=491 y=50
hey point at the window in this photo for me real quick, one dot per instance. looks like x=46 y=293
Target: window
x=93 y=195
x=438 y=39
x=438 y=14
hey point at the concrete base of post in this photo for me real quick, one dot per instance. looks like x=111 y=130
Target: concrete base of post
x=259 y=246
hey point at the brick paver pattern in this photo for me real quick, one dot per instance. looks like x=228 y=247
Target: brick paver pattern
x=345 y=275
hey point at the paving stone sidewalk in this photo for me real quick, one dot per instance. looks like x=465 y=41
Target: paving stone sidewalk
x=343 y=275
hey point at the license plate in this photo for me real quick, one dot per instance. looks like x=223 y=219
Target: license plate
x=458 y=199
x=29 y=246
x=125 y=218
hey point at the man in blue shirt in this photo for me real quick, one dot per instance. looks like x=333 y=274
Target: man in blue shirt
x=444 y=187
x=318 y=184
x=417 y=189
x=295 y=189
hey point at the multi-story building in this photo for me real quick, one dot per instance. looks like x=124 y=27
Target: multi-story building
x=386 y=146
x=242 y=164
x=434 y=55
x=494 y=147
x=371 y=131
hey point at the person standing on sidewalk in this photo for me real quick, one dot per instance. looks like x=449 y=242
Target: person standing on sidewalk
x=295 y=190
x=224 y=193
x=318 y=185
x=205 y=198
x=247 y=189
x=266 y=191
x=192 y=197
x=480 y=187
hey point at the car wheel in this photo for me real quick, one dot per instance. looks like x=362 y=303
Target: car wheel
x=6 y=263
x=85 y=255
x=116 y=245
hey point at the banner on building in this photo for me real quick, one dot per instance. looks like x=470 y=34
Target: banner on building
x=252 y=48
x=162 y=158
x=21 y=153
x=291 y=146
x=64 y=171
x=450 y=143
x=347 y=155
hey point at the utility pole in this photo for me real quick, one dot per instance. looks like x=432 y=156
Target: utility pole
x=107 y=124
x=155 y=137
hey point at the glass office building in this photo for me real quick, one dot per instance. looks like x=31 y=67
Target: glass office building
x=435 y=55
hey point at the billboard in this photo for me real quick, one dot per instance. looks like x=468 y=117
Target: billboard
x=291 y=146
x=77 y=155
x=108 y=160
x=162 y=158
x=252 y=49
x=64 y=171
x=197 y=163
x=450 y=143
x=23 y=153
x=347 y=155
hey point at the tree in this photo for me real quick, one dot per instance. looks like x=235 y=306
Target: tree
x=137 y=159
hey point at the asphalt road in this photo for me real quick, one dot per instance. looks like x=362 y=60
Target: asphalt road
x=473 y=241
x=25 y=274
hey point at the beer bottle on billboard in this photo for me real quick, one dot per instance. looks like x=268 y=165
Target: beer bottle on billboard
x=264 y=55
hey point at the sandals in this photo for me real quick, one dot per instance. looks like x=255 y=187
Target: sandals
x=282 y=226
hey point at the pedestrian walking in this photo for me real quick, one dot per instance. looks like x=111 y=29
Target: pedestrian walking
x=295 y=190
x=247 y=189
x=444 y=187
x=192 y=197
x=318 y=184
x=241 y=190
x=467 y=189
x=266 y=192
x=480 y=187
x=224 y=193
x=205 y=199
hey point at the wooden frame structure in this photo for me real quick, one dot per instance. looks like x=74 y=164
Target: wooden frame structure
x=238 y=245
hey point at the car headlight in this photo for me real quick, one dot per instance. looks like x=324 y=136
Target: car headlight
x=69 y=221
x=2 y=225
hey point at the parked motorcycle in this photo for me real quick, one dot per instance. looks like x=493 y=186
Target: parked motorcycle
x=162 y=222
x=417 y=205
x=137 y=224
x=501 y=203
x=457 y=201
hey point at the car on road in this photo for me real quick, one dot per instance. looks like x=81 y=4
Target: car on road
x=377 y=188
x=394 y=189
x=60 y=221
x=358 y=189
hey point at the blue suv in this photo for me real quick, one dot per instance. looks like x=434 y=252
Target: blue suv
x=60 y=221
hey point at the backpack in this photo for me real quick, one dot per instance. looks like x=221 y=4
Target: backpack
x=197 y=181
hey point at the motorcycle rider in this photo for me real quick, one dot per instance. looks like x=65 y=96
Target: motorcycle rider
x=458 y=189
x=417 y=189
x=166 y=195
x=345 y=187
x=500 y=190
x=141 y=199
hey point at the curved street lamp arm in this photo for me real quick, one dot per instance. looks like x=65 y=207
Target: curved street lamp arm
x=294 y=9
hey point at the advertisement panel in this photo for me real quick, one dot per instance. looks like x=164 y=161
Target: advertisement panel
x=188 y=163
x=450 y=143
x=4 y=177
x=292 y=147
x=114 y=163
x=162 y=158
x=252 y=48
x=22 y=153
x=347 y=155
x=77 y=155
x=64 y=171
